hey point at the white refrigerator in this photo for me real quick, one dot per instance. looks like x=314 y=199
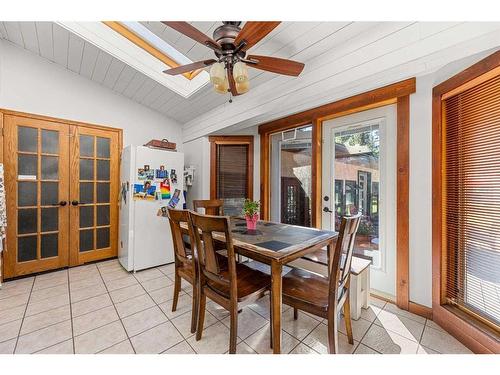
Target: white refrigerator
x=145 y=237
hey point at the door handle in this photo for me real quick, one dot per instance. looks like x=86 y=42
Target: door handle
x=326 y=209
x=61 y=203
x=75 y=203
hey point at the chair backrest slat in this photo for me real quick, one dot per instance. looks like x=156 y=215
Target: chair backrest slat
x=340 y=261
x=176 y=217
x=211 y=206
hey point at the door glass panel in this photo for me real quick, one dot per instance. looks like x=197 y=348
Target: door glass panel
x=86 y=192
x=50 y=141
x=102 y=147
x=50 y=167
x=50 y=219
x=26 y=248
x=103 y=170
x=27 y=220
x=49 y=193
x=26 y=194
x=103 y=215
x=86 y=169
x=102 y=238
x=48 y=245
x=27 y=139
x=86 y=145
x=102 y=192
x=86 y=216
x=86 y=240
x=357 y=177
x=27 y=165
x=291 y=158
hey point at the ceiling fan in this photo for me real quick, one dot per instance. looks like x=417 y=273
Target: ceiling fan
x=230 y=44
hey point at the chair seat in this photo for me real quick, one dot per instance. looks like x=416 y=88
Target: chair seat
x=307 y=288
x=358 y=264
x=249 y=282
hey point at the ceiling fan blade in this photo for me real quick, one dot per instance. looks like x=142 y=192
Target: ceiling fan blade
x=189 y=67
x=253 y=32
x=193 y=33
x=276 y=65
x=232 y=83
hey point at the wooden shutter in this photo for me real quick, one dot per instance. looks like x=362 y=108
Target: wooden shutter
x=471 y=198
x=232 y=171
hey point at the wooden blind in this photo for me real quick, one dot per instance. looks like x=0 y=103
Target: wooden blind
x=471 y=199
x=232 y=171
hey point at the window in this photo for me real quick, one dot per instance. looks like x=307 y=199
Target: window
x=232 y=171
x=471 y=199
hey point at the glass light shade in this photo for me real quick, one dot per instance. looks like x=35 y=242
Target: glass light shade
x=217 y=74
x=240 y=72
x=243 y=87
x=223 y=87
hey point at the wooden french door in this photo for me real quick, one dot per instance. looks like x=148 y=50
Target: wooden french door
x=61 y=184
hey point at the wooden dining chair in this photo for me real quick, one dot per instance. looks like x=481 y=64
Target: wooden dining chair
x=326 y=296
x=230 y=285
x=211 y=206
x=185 y=264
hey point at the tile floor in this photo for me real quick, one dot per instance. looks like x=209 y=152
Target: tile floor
x=100 y=308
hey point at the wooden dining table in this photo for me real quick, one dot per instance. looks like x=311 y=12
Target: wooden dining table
x=276 y=244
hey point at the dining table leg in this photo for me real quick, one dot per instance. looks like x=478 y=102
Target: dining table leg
x=276 y=290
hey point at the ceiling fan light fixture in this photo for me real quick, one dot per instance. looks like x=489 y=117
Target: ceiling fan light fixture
x=243 y=87
x=240 y=72
x=223 y=87
x=217 y=74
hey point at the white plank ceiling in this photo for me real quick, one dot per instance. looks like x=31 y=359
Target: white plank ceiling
x=296 y=40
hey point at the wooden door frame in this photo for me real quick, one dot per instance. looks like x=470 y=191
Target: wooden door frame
x=230 y=140
x=474 y=334
x=397 y=93
x=8 y=112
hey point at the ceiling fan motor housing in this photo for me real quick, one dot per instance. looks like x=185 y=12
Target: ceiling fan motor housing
x=226 y=34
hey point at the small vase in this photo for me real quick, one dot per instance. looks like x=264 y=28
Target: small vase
x=252 y=221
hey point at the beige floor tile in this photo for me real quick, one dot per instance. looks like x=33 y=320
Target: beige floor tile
x=86 y=283
x=218 y=311
x=134 y=305
x=405 y=327
x=92 y=304
x=114 y=275
x=7 y=347
x=81 y=277
x=363 y=349
x=61 y=274
x=430 y=323
x=396 y=310
x=82 y=294
x=359 y=327
x=371 y=312
x=156 y=339
x=183 y=323
x=260 y=341
x=65 y=347
x=45 y=319
x=12 y=314
x=181 y=348
x=99 y=339
x=148 y=274
x=13 y=292
x=49 y=283
x=157 y=283
x=168 y=269
x=13 y=287
x=423 y=350
x=94 y=319
x=215 y=340
x=303 y=349
x=43 y=338
x=183 y=305
x=121 y=283
x=47 y=304
x=124 y=294
x=41 y=294
x=299 y=328
x=13 y=301
x=442 y=342
x=10 y=330
x=248 y=322
x=124 y=347
x=144 y=320
x=244 y=348
x=163 y=295
x=262 y=307
x=387 y=342
x=318 y=340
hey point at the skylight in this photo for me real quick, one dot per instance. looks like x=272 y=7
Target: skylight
x=132 y=54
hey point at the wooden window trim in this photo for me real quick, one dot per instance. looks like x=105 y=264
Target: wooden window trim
x=230 y=140
x=397 y=93
x=475 y=335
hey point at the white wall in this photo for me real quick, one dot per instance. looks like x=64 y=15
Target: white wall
x=29 y=83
